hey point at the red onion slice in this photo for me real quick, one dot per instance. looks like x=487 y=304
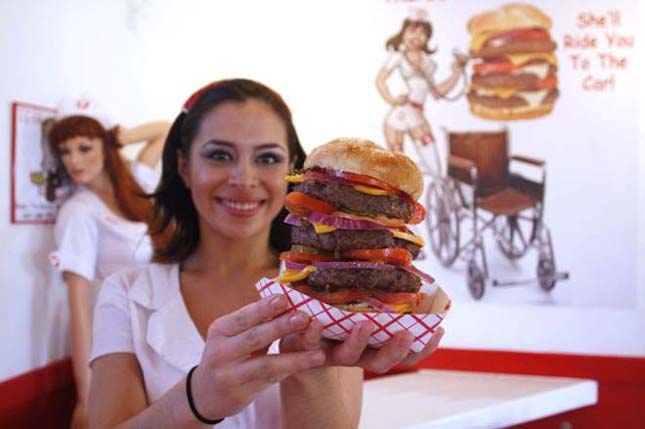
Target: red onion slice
x=294 y=220
x=295 y=266
x=417 y=272
x=343 y=222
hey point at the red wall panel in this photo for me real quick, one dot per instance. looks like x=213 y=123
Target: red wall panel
x=44 y=398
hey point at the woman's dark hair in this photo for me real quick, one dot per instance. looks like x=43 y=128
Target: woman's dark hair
x=173 y=205
x=129 y=195
x=395 y=41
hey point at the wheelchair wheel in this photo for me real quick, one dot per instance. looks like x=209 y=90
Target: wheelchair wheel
x=514 y=235
x=546 y=271
x=476 y=280
x=443 y=222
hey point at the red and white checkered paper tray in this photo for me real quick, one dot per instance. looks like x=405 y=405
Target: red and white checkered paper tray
x=338 y=323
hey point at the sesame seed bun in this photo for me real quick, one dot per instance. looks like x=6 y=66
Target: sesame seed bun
x=367 y=158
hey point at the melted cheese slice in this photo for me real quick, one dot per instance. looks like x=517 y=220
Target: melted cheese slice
x=323 y=229
x=519 y=59
x=499 y=92
x=294 y=178
x=401 y=308
x=408 y=237
x=371 y=191
x=290 y=276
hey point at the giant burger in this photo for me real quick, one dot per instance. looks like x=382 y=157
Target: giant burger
x=351 y=247
x=515 y=75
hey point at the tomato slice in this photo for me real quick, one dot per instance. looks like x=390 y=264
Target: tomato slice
x=348 y=295
x=398 y=297
x=390 y=255
x=418 y=214
x=342 y=296
x=302 y=204
x=305 y=258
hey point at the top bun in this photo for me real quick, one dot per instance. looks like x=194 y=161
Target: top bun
x=508 y=17
x=366 y=157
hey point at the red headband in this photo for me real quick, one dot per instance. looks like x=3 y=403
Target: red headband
x=188 y=104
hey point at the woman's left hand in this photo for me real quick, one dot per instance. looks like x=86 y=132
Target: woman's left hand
x=457 y=67
x=354 y=351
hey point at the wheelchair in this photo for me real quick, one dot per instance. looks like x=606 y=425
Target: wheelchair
x=482 y=190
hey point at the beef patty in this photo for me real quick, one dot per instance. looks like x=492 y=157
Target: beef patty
x=348 y=199
x=343 y=239
x=333 y=279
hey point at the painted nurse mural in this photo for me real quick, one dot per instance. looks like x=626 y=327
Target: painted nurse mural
x=411 y=56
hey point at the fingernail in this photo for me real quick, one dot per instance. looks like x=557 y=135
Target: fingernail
x=438 y=334
x=278 y=302
x=317 y=358
x=406 y=341
x=299 y=320
x=366 y=329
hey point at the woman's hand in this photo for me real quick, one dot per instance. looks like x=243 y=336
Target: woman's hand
x=399 y=100
x=354 y=351
x=235 y=369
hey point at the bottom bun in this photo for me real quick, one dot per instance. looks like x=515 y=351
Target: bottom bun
x=356 y=308
x=510 y=113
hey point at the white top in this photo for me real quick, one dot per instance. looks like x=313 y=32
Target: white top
x=92 y=241
x=433 y=399
x=141 y=311
x=416 y=79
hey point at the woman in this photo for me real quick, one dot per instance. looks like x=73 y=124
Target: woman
x=188 y=340
x=102 y=226
x=411 y=56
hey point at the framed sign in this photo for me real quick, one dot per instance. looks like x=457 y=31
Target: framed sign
x=32 y=165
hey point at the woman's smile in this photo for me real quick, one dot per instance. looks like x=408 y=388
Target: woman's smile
x=241 y=207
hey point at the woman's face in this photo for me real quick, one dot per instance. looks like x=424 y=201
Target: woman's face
x=236 y=168
x=82 y=158
x=415 y=37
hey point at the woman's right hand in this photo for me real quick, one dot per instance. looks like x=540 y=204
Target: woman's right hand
x=235 y=368
x=400 y=100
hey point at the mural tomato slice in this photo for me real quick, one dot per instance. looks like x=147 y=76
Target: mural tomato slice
x=548 y=83
x=493 y=67
x=523 y=34
x=302 y=204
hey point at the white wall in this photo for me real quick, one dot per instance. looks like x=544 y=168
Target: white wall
x=322 y=57
x=52 y=50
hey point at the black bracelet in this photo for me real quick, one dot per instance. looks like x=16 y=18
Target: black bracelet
x=191 y=404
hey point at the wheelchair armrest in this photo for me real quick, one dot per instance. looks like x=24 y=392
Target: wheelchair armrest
x=461 y=163
x=462 y=169
x=528 y=160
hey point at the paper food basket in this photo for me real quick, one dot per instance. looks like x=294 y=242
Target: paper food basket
x=338 y=323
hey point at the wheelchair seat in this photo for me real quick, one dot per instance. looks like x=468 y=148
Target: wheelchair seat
x=506 y=202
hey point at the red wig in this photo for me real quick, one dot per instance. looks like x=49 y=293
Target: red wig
x=130 y=197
